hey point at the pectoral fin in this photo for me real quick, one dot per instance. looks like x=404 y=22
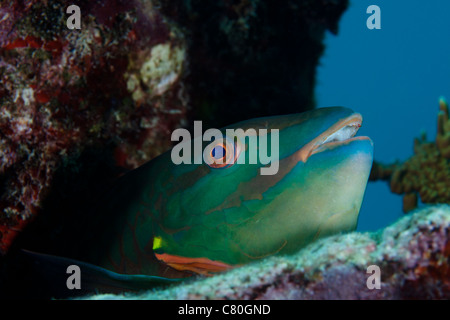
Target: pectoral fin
x=202 y=266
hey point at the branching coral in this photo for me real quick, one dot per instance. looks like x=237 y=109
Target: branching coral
x=443 y=133
x=427 y=172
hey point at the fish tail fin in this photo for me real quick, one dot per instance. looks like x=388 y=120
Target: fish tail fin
x=62 y=277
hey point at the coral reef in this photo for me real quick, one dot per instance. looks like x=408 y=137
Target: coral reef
x=443 y=131
x=413 y=256
x=64 y=91
x=427 y=172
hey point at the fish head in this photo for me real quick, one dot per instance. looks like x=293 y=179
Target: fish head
x=247 y=209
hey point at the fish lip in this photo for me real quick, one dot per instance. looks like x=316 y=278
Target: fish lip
x=320 y=143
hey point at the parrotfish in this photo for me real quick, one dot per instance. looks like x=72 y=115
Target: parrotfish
x=175 y=221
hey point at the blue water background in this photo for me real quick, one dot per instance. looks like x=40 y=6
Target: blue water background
x=394 y=77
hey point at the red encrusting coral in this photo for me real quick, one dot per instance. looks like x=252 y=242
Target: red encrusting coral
x=62 y=91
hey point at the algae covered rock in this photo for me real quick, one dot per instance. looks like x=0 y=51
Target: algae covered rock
x=413 y=256
x=65 y=92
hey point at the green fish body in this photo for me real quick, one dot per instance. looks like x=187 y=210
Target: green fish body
x=174 y=221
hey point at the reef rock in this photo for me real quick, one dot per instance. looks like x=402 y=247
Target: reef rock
x=114 y=85
x=413 y=256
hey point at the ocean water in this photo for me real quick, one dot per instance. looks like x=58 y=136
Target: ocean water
x=394 y=77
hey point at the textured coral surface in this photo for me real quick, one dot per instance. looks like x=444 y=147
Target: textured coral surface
x=413 y=255
x=62 y=92
x=427 y=172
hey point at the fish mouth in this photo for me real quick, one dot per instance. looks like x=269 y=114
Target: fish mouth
x=341 y=133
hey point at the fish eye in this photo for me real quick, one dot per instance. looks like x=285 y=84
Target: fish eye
x=221 y=153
